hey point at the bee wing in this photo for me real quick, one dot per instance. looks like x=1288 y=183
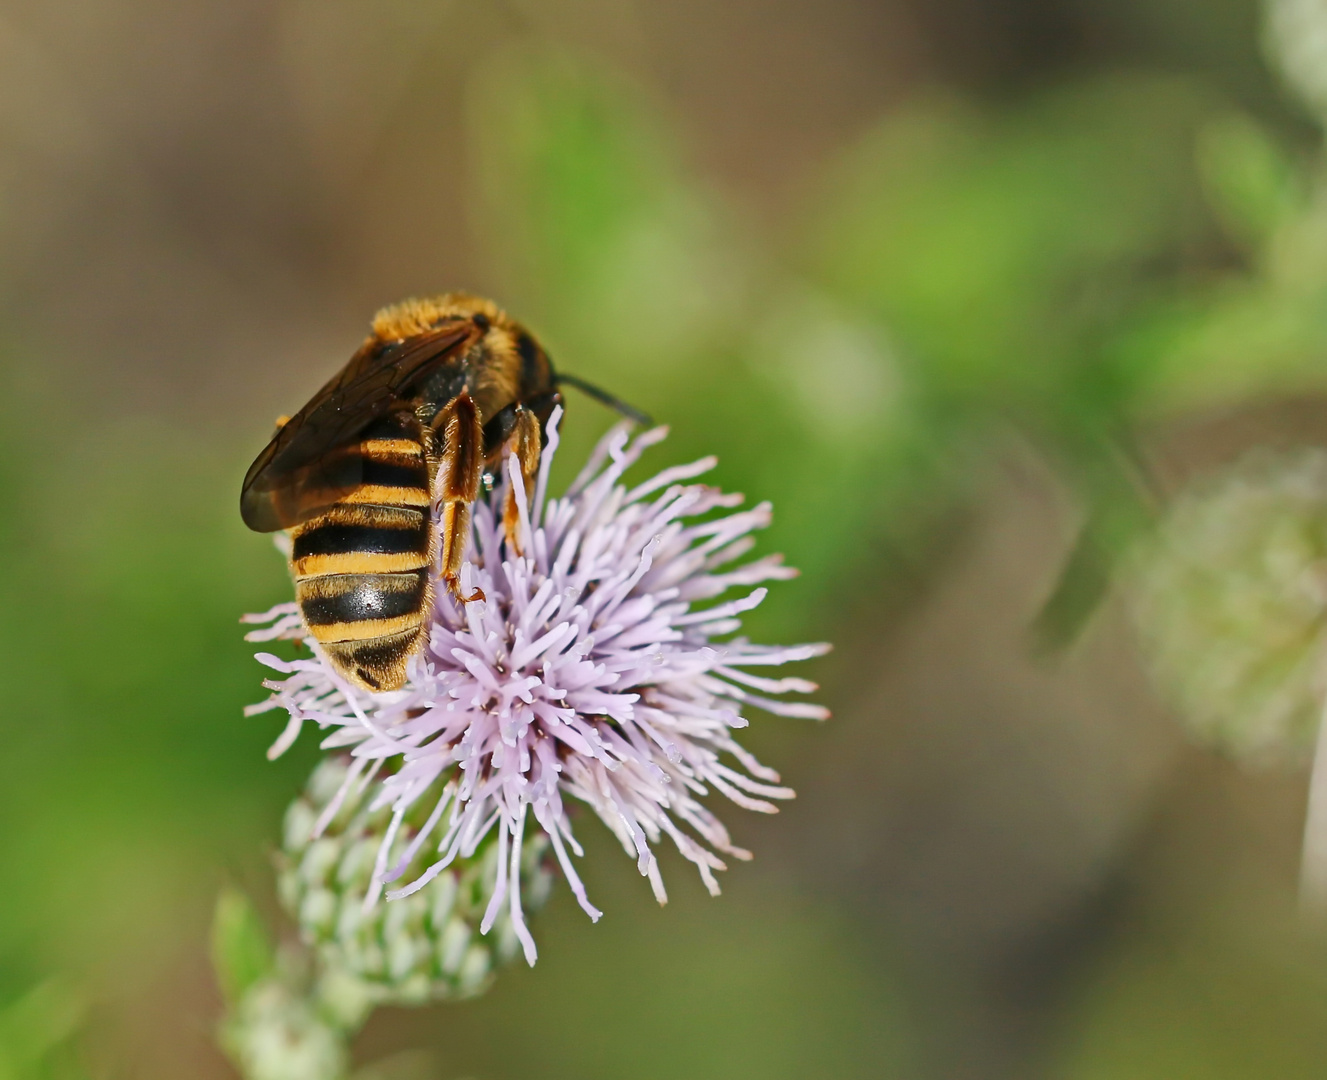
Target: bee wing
x=298 y=475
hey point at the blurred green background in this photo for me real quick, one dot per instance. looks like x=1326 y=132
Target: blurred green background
x=966 y=287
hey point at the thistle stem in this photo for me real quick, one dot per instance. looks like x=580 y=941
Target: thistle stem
x=1313 y=860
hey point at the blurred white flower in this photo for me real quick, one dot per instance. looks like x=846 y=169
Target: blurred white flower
x=277 y=1033
x=1231 y=601
x=588 y=672
x=1296 y=37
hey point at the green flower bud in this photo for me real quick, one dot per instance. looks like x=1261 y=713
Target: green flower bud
x=422 y=947
x=276 y=1033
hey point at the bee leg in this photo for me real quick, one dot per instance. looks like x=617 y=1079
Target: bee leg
x=523 y=445
x=542 y=405
x=457 y=485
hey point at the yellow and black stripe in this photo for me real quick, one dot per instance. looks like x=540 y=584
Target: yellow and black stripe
x=362 y=567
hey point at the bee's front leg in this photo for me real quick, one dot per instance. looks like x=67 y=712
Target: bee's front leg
x=523 y=445
x=457 y=484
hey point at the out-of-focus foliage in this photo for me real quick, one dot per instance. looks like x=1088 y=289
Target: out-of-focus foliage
x=38 y=1034
x=1253 y=187
x=1220 y=1006
x=584 y=203
x=1012 y=252
x=242 y=955
x=129 y=768
x=1004 y=248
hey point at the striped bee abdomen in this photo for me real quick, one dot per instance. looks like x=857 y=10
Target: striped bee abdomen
x=362 y=568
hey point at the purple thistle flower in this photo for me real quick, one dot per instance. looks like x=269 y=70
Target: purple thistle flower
x=588 y=672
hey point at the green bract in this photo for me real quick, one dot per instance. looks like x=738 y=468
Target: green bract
x=422 y=947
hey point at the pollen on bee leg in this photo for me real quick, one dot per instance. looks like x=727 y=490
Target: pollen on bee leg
x=458 y=482
x=522 y=446
x=455 y=528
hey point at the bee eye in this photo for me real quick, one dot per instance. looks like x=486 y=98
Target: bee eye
x=481 y=320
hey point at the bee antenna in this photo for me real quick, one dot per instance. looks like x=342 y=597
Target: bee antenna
x=605 y=398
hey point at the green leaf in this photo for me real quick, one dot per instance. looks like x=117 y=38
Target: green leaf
x=1250 y=182
x=35 y=1028
x=241 y=951
x=1083 y=582
x=1120 y=511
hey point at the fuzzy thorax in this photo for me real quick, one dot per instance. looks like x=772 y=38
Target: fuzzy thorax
x=418 y=316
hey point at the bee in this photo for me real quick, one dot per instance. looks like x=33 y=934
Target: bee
x=374 y=478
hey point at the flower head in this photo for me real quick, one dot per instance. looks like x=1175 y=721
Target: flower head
x=1231 y=601
x=599 y=667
